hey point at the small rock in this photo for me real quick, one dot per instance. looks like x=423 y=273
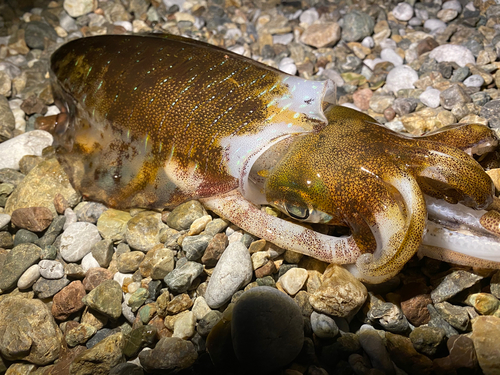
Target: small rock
x=453 y=53
x=427 y=340
x=129 y=262
x=484 y=303
x=185 y=214
x=89 y=212
x=321 y=35
x=373 y=345
x=96 y=276
x=112 y=224
x=293 y=280
x=29 y=277
x=457 y=316
x=77 y=8
x=169 y=354
x=158 y=263
x=29 y=143
x=403 y=12
x=485 y=333
x=323 y=326
x=195 y=246
x=356 y=26
x=180 y=279
x=405 y=356
x=77 y=241
x=340 y=293
x=51 y=269
x=430 y=97
x=474 y=80
x=143 y=230
x=68 y=300
x=401 y=77
x=79 y=335
x=266 y=329
x=100 y=358
x=233 y=271
x=17 y=261
x=453 y=284
x=214 y=250
x=102 y=251
x=184 y=325
x=106 y=298
x=44 y=288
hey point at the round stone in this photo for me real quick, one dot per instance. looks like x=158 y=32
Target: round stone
x=267 y=329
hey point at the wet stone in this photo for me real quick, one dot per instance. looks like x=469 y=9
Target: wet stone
x=29 y=332
x=389 y=316
x=143 y=230
x=102 y=251
x=35 y=33
x=129 y=262
x=415 y=309
x=138 y=298
x=137 y=339
x=216 y=226
x=179 y=303
x=462 y=357
x=453 y=284
x=323 y=326
x=68 y=300
x=185 y=214
x=340 y=293
x=457 y=316
x=51 y=269
x=428 y=340
x=44 y=288
x=170 y=353
x=112 y=224
x=158 y=263
x=250 y=332
x=214 y=250
x=101 y=357
x=180 y=279
x=35 y=219
x=99 y=336
x=18 y=260
x=195 y=246
x=405 y=356
x=89 y=212
x=24 y=236
x=77 y=241
x=106 y=298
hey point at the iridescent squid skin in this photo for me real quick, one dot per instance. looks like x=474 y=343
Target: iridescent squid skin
x=153 y=121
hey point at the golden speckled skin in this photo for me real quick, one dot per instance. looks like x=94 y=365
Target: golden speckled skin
x=351 y=170
x=147 y=114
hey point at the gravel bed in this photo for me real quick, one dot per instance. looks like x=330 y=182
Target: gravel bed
x=86 y=289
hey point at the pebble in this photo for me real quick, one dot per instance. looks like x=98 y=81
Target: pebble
x=51 y=269
x=77 y=241
x=106 y=298
x=485 y=331
x=340 y=294
x=356 y=26
x=89 y=262
x=287 y=65
x=233 y=271
x=100 y=358
x=474 y=80
x=68 y=300
x=321 y=35
x=401 y=77
x=323 y=326
x=169 y=354
x=452 y=284
x=180 y=279
x=453 y=53
x=143 y=230
x=29 y=277
x=112 y=224
x=373 y=345
x=430 y=97
x=18 y=316
x=29 y=143
x=185 y=214
x=77 y=8
x=17 y=261
x=45 y=288
x=403 y=12
x=428 y=340
x=266 y=329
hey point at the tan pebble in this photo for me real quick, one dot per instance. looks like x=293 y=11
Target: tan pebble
x=199 y=225
x=293 y=280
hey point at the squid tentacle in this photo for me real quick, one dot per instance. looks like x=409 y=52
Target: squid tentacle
x=400 y=233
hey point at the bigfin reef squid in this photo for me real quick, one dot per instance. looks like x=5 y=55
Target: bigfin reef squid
x=153 y=121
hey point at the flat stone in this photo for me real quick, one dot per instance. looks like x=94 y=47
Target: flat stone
x=112 y=224
x=17 y=261
x=485 y=333
x=77 y=241
x=185 y=214
x=453 y=284
x=106 y=298
x=68 y=300
x=29 y=143
x=143 y=230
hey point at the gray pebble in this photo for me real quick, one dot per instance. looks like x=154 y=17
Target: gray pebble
x=51 y=269
x=44 y=288
x=430 y=97
x=374 y=347
x=474 y=80
x=403 y=11
x=233 y=271
x=77 y=241
x=195 y=246
x=180 y=279
x=453 y=284
x=323 y=326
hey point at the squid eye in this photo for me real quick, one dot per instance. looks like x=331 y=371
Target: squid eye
x=297 y=212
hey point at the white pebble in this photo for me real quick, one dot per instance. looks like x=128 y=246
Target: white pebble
x=287 y=65
x=371 y=63
x=29 y=277
x=184 y=325
x=430 y=97
x=30 y=143
x=77 y=8
x=368 y=42
x=415 y=21
x=19 y=115
x=453 y=4
x=4 y=220
x=120 y=277
x=70 y=216
x=401 y=77
x=89 y=262
x=283 y=38
x=200 y=308
x=474 y=80
x=403 y=12
x=453 y=53
x=51 y=269
x=422 y=14
x=77 y=241
x=293 y=280
x=309 y=16
x=388 y=43
x=125 y=24
x=434 y=24
x=392 y=56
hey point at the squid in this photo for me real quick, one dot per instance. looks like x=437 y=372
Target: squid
x=155 y=120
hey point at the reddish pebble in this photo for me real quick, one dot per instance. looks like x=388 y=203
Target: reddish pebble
x=96 y=276
x=35 y=219
x=361 y=98
x=68 y=300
